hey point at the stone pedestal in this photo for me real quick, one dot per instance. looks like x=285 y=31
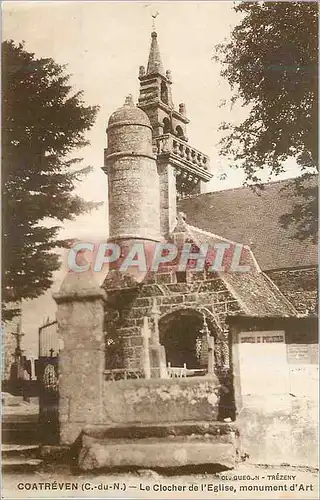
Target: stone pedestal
x=80 y=321
x=159 y=446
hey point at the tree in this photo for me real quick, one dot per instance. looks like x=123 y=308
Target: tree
x=43 y=122
x=271 y=62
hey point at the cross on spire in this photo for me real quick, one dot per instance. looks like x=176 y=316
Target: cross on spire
x=154 y=16
x=154 y=62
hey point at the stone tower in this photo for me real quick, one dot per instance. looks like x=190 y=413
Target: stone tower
x=133 y=180
x=150 y=165
x=181 y=167
x=156 y=97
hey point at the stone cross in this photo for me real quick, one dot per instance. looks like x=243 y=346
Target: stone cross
x=154 y=16
x=210 y=354
x=210 y=341
x=156 y=314
x=32 y=374
x=18 y=335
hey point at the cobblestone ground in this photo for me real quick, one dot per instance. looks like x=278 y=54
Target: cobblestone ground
x=247 y=481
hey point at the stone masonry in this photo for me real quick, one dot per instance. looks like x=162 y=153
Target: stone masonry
x=117 y=397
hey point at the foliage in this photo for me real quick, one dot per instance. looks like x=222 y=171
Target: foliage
x=270 y=63
x=43 y=121
x=303 y=216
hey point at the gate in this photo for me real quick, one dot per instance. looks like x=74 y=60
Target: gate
x=48 y=377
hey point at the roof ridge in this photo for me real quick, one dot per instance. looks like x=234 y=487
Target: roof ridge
x=238 y=188
x=208 y=233
x=243 y=245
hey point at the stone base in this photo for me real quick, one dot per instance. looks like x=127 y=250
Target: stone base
x=166 y=446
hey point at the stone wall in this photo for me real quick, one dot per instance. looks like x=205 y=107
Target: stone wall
x=276 y=390
x=157 y=401
x=210 y=297
x=299 y=286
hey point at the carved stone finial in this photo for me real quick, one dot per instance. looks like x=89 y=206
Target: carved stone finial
x=142 y=71
x=182 y=108
x=169 y=75
x=129 y=100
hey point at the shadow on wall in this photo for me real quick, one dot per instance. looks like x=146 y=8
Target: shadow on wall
x=285 y=435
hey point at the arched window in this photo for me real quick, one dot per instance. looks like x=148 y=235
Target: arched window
x=164 y=93
x=182 y=335
x=166 y=126
x=179 y=132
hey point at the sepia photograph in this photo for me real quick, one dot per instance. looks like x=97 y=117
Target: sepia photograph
x=159 y=249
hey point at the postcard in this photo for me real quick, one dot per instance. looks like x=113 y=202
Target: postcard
x=159 y=298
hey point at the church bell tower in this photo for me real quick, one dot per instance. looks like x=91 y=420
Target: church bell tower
x=181 y=167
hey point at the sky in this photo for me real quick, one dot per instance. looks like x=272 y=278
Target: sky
x=103 y=44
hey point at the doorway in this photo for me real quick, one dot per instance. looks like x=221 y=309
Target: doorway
x=181 y=333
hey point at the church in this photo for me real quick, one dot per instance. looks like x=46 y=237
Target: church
x=155 y=177
x=212 y=363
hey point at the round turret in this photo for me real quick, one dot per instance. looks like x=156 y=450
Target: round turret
x=134 y=204
x=128 y=114
x=129 y=131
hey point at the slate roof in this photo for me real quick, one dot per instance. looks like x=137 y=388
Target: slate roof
x=244 y=216
x=256 y=294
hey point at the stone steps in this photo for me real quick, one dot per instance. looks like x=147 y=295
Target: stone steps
x=20 y=458
x=20 y=464
x=19 y=450
x=20 y=433
x=169 y=445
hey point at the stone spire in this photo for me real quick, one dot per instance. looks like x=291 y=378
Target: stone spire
x=154 y=62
